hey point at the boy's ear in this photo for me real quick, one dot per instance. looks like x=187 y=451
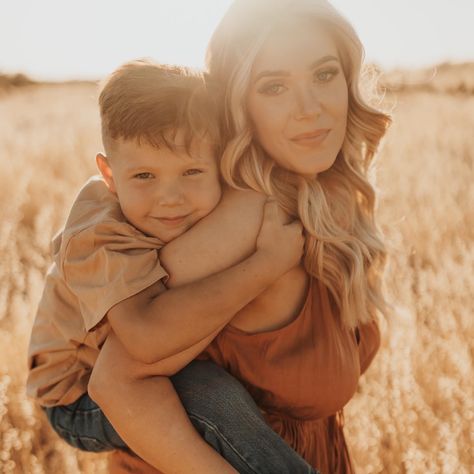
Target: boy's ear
x=106 y=171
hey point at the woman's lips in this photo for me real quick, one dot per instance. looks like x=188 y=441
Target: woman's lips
x=312 y=138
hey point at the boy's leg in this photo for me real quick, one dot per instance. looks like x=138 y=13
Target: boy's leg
x=219 y=407
x=83 y=425
x=227 y=417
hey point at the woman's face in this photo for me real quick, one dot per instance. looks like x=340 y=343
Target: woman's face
x=297 y=99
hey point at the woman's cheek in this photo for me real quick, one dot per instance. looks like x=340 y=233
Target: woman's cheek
x=265 y=137
x=272 y=121
x=341 y=100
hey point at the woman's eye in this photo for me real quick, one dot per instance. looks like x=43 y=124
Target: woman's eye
x=144 y=176
x=326 y=75
x=192 y=172
x=272 y=89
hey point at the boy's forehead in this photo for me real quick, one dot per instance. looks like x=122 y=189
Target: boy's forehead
x=199 y=149
x=176 y=136
x=186 y=142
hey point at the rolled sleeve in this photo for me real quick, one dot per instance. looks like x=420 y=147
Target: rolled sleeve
x=107 y=263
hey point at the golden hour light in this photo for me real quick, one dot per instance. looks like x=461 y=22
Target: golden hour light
x=259 y=263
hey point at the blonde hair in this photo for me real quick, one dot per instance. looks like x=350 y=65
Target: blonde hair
x=344 y=248
x=148 y=102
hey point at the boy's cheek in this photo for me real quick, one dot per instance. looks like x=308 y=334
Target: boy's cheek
x=216 y=186
x=210 y=197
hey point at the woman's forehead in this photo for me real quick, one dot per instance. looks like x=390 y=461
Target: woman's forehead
x=293 y=46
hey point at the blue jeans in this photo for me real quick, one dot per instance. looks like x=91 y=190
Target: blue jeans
x=219 y=407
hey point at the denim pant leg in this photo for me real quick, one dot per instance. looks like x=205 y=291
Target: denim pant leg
x=220 y=408
x=227 y=417
x=82 y=424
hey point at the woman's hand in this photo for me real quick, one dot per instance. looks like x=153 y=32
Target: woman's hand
x=281 y=244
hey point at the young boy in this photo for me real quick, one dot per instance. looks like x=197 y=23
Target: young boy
x=159 y=177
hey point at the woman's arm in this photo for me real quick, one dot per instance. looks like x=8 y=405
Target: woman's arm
x=147 y=413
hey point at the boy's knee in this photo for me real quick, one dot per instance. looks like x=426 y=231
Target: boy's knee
x=207 y=389
x=202 y=377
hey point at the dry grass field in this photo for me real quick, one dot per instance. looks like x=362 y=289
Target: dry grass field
x=414 y=411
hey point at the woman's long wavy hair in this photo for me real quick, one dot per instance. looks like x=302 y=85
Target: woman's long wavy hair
x=344 y=248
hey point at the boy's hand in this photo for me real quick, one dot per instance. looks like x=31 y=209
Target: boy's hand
x=280 y=244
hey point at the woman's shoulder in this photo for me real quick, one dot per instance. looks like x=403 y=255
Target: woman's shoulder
x=242 y=200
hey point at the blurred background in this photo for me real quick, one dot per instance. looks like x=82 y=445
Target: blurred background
x=59 y=40
x=414 y=410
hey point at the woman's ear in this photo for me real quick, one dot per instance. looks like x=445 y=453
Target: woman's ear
x=106 y=171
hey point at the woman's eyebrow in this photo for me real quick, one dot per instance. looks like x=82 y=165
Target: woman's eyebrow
x=270 y=74
x=323 y=60
x=281 y=72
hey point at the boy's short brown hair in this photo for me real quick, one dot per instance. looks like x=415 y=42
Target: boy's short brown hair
x=148 y=102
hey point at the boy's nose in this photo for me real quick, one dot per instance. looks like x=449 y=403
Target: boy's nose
x=170 y=194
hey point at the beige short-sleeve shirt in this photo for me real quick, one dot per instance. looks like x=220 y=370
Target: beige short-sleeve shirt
x=99 y=260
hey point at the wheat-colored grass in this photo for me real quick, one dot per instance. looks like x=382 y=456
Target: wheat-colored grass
x=414 y=411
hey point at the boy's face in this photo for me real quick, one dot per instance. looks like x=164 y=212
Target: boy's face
x=162 y=192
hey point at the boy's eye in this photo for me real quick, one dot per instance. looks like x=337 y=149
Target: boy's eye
x=326 y=74
x=192 y=172
x=144 y=176
x=273 y=88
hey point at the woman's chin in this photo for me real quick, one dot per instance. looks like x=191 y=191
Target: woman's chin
x=311 y=168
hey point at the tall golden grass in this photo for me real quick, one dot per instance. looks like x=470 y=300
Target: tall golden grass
x=414 y=411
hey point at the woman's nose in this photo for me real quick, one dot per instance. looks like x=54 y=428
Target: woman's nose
x=307 y=104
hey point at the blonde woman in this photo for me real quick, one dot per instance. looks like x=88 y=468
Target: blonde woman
x=297 y=129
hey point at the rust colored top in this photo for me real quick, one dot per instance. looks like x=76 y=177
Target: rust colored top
x=300 y=375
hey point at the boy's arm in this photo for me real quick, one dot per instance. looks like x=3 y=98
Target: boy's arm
x=222 y=239
x=176 y=319
x=147 y=413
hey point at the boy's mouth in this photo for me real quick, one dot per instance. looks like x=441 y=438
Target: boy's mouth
x=172 y=220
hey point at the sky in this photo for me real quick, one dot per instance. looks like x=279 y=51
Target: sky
x=65 y=39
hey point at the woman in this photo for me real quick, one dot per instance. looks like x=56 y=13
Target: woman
x=297 y=129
